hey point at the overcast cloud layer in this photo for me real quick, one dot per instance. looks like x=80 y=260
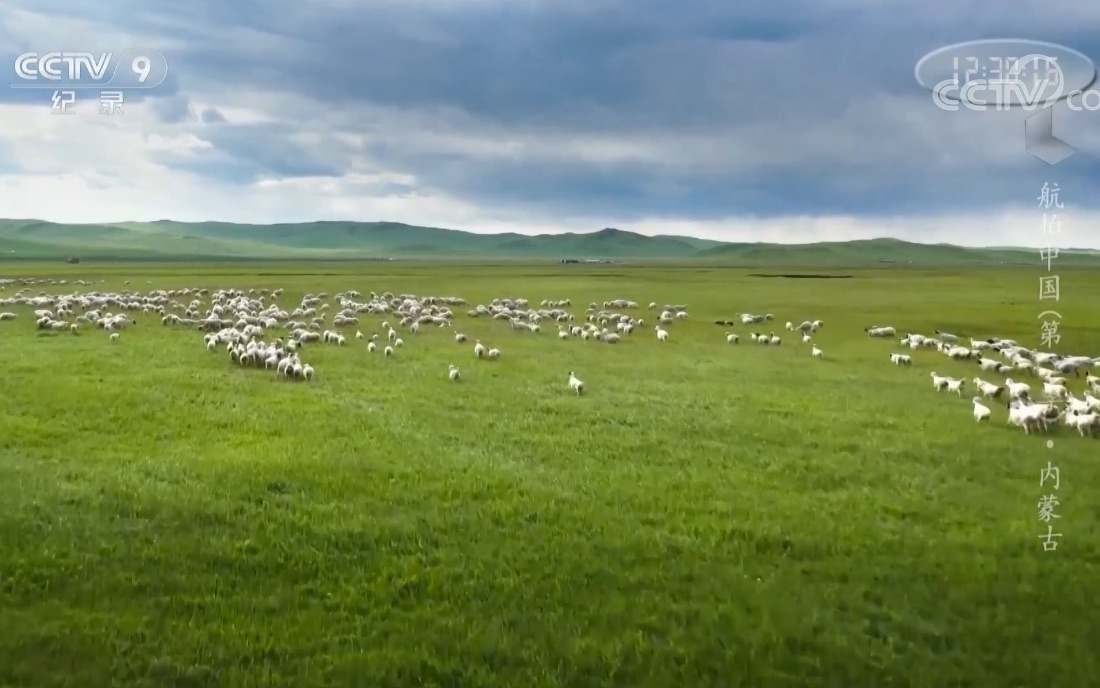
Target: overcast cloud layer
x=791 y=121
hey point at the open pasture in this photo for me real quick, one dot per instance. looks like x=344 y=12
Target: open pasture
x=706 y=514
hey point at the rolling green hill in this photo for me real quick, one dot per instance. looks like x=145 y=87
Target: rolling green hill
x=210 y=241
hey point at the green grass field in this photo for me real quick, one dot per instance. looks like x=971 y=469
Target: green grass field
x=707 y=515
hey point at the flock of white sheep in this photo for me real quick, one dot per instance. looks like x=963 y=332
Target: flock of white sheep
x=1048 y=371
x=239 y=322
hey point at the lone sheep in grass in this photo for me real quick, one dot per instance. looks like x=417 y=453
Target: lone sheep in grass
x=575 y=384
x=881 y=332
x=114 y=337
x=981 y=411
x=816 y=352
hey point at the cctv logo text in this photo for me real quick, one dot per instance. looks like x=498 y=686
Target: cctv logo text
x=1008 y=94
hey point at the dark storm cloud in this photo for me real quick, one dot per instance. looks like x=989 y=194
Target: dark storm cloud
x=809 y=74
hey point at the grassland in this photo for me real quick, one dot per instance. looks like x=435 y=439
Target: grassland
x=169 y=241
x=708 y=515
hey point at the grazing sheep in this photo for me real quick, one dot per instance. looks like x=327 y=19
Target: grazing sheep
x=494 y=354
x=453 y=374
x=732 y=338
x=1085 y=423
x=575 y=384
x=989 y=389
x=1017 y=390
x=1054 y=391
x=459 y=337
x=981 y=411
x=881 y=332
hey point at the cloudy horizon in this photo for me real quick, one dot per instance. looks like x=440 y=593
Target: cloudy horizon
x=795 y=123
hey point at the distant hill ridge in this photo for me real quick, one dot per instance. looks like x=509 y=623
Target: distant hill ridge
x=167 y=240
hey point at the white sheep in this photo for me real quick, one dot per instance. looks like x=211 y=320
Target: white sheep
x=575 y=384
x=493 y=354
x=114 y=337
x=774 y=340
x=1032 y=416
x=398 y=343
x=901 y=359
x=388 y=351
x=358 y=334
x=372 y=347
x=1025 y=416
x=662 y=335
x=954 y=385
x=1084 y=422
x=731 y=338
x=459 y=337
x=307 y=372
x=1055 y=391
x=981 y=411
x=392 y=334
x=816 y=352
x=453 y=373
x=989 y=389
x=1017 y=390
x=939 y=383
x=988 y=364
x=805 y=339
x=1093 y=402
x=479 y=349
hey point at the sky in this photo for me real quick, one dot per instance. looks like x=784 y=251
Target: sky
x=791 y=121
